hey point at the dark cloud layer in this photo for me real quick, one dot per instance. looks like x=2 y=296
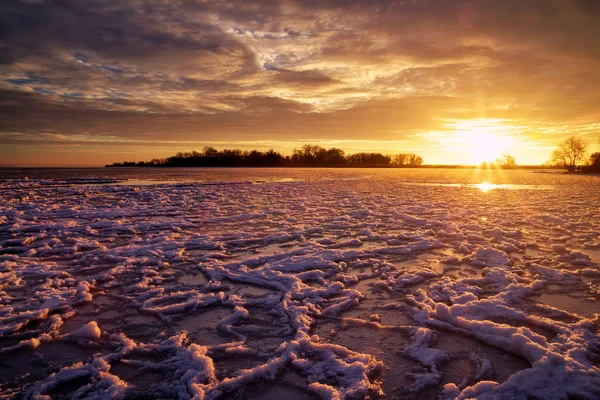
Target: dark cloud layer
x=192 y=71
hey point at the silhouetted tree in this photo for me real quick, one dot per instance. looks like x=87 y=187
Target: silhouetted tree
x=311 y=152
x=399 y=160
x=368 y=159
x=506 y=161
x=406 y=160
x=570 y=153
x=273 y=158
x=318 y=156
x=335 y=156
x=415 y=160
x=594 y=164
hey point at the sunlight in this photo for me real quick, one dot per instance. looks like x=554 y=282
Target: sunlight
x=485 y=187
x=485 y=147
x=483 y=140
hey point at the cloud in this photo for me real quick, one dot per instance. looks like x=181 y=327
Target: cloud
x=293 y=69
x=257 y=117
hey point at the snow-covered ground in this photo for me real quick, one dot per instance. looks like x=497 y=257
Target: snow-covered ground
x=368 y=286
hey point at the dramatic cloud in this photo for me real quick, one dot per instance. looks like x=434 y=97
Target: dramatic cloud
x=162 y=75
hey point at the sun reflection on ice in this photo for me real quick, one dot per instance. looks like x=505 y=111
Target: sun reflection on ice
x=486 y=187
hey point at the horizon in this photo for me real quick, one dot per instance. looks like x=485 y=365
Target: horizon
x=483 y=164
x=458 y=83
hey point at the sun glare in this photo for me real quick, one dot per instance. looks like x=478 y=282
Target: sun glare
x=481 y=139
x=485 y=187
x=485 y=147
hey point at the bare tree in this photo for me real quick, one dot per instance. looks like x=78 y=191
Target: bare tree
x=506 y=161
x=570 y=153
x=406 y=160
x=415 y=160
x=399 y=159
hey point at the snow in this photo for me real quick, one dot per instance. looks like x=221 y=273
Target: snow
x=88 y=331
x=363 y=287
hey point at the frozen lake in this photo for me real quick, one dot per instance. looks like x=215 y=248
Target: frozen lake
x=299 y=284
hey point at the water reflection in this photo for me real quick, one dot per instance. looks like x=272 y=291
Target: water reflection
x=486 y=187
x=515 y=179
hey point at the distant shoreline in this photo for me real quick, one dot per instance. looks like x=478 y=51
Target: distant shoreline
x=520 y=167
x=352 y=166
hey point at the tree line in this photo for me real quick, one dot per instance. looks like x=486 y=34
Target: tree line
x=308 y=155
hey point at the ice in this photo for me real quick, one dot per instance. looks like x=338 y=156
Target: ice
x=490 y=257
x=275 y=392
x=193 y=280
x=582 y=304
x=348 y=286
x=88 y=331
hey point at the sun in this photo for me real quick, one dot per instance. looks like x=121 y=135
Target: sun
x=482 y=140
x=485 y=147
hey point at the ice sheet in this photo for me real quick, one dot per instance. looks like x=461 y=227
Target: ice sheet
x=356 y=288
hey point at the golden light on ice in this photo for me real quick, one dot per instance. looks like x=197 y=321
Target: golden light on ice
x=485 y=187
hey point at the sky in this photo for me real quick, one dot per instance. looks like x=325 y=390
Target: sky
x=91 y=82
